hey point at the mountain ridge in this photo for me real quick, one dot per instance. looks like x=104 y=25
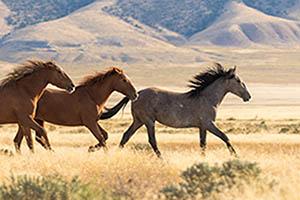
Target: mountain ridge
x=244 y=26
x=157 y=31
x=184 y=17
x=95 y=37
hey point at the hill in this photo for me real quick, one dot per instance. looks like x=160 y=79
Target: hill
x=133 y=31
x=90 y=35
x=243 y=26
x=192 y=16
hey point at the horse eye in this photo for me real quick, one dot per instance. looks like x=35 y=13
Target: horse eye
x=238 y=80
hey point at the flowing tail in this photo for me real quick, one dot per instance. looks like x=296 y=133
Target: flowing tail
x=110 y=112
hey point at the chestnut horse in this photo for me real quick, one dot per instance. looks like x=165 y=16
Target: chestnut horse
x=21 y=90
x=82 y=107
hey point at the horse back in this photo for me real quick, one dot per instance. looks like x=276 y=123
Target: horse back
x=169 y=108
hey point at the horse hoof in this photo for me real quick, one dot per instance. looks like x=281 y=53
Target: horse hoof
x=235 y=156
x=51 y=150
x=18 y=152
x=91 y=149
x=97 y=148
x=203 y=155
x=158 y=154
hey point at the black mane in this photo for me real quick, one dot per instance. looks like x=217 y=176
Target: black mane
x=206 y=78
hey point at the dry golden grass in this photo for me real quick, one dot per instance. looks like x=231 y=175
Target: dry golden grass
x=137 y=174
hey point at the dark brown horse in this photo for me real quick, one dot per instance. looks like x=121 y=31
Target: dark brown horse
x=82 y=107
x=195 y=108
x=21 y=90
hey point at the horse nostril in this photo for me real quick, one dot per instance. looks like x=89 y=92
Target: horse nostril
x=71 y=88
x=247 y=99
x=135 y=97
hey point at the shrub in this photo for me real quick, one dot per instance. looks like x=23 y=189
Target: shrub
x=205 y=181
x=48 y=188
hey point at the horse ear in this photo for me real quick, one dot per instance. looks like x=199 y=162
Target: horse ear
x=116 y=70
x=231 y=72
x=50 y=62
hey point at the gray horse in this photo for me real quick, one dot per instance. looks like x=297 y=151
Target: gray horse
x=195 y=108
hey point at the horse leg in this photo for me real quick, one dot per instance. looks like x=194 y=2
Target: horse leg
x=104 y=134
x=151 y=137
x=136 y=124
x=217 y=132
x=29 y=122
x=27 y=133
x=23 y=131
x=18 y=139
x=94 y=128
x=39 y=138
x=202 y=135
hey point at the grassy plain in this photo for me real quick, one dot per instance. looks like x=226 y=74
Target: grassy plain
x=135 y=173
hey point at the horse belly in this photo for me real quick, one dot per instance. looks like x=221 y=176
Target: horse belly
x=60 y=114
x=8 y=118
x=61 y=117
x=64 y=122
x=173 y=120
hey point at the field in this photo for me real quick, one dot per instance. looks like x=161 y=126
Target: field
x=135 y=173
x=264 y=131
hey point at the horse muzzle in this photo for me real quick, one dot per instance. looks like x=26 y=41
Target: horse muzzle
x=135 y=97
x=71 y=88
x=246 y=98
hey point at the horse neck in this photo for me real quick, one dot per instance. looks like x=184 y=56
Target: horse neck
x=100 y=92
x=215 y=92
x=34 y=84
